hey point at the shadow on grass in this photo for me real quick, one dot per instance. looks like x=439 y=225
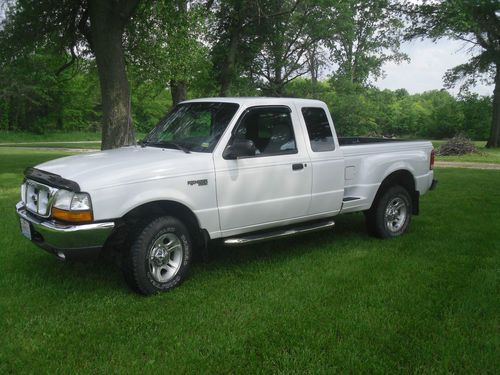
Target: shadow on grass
x=103 y=275
x=347 y=227
x=100 y=275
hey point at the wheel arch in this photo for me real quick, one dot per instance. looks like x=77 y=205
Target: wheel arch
x=158 y=208
x=404 y=178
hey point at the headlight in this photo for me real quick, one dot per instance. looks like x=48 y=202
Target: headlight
x=74 y=207
x=63 y=199
x=80 y=201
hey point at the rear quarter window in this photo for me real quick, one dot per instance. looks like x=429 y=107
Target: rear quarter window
x=318 y=129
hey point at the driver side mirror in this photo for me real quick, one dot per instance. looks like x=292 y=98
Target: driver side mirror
x=239 y=148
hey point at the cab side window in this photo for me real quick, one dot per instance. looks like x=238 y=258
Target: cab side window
x=318 y=128
x=270 y=129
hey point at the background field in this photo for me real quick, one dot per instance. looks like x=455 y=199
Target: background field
x=337 y=301
x=53 y=139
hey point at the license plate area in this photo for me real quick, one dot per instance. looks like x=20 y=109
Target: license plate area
x=26 y=228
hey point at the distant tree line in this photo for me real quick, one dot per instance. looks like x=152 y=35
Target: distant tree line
x=74 y=104
x=117 y=65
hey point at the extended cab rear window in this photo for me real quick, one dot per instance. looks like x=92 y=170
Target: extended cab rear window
x=318 y=129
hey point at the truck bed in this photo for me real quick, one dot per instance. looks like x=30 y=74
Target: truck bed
x=367 y=159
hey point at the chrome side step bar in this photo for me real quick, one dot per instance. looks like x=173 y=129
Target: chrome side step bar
x=289 y=232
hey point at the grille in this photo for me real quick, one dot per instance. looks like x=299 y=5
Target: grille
x=38 y=197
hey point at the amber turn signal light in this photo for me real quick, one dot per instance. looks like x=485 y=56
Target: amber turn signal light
x=72 y=216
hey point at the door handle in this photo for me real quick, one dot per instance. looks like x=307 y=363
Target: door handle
x=297 y=166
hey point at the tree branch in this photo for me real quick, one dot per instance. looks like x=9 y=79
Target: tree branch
x=69 y=63
x=277 y=14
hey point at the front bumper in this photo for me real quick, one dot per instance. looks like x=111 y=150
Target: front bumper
x=66 y=240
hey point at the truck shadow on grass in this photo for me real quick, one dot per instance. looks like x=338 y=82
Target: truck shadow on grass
x=67 y=276
x=103 y=275
x=347 y=228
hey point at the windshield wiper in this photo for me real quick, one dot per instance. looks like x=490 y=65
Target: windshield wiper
x=168 y=144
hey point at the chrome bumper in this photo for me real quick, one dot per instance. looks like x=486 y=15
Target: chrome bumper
x=66 y=239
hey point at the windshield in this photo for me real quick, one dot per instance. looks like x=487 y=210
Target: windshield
x=192 y=126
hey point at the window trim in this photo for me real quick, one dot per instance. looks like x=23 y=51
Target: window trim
x=240 y=119
x=307 y=130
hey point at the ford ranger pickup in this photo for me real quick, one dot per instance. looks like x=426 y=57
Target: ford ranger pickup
x=237 y=170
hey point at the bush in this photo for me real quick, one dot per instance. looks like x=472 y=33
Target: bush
x=458 y=145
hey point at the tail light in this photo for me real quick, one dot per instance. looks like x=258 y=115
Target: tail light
x=433 y=159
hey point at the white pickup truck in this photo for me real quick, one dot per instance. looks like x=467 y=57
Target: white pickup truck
x=240 y=170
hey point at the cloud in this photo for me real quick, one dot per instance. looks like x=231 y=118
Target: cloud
x=425 y=71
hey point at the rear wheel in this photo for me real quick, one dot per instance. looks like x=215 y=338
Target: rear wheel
x=159 y=256
x=390 y=214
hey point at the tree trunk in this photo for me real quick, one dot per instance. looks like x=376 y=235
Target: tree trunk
x=10 y=121
x=107 y=23
x=313 y=64
x=494 y=140
x=278 y=81
x=227 y=73
x=59 y=112
x=178 y=90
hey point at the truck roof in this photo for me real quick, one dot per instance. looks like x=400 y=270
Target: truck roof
x=258 y=100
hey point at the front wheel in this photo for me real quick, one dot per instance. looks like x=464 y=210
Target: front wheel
x=390 y=214
x=159 y=256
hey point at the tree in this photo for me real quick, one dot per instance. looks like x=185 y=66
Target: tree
x=289 y=41
x=80 y=27
x=363 y=36
x=238 y=31
x=477 y=115
x=104 y=35
x=235 y=38
x=164 y=44
x=477 y=23
x=445 y=119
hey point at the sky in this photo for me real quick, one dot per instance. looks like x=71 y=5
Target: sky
x=425 y=71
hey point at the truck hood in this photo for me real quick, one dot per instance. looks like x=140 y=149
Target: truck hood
x=127 y=165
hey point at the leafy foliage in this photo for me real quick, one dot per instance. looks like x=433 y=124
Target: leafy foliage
x=164 y=42
x=476 y=23
x=356 y=110
x=175 y=49
x=363 y=35
x=289 y=37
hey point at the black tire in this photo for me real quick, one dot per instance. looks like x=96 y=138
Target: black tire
x=380 y=225
x=143 y=272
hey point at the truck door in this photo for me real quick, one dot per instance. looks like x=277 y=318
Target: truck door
x=274 y=184
x=327 y=161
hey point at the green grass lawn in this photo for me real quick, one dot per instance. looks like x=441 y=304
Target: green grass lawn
x=333 y=302
x=53 y=136
x=485 y=155
x=54 y=139
x=94 y=146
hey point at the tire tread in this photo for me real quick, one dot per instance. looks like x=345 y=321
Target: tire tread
x=374 y=217
x=133 y=258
